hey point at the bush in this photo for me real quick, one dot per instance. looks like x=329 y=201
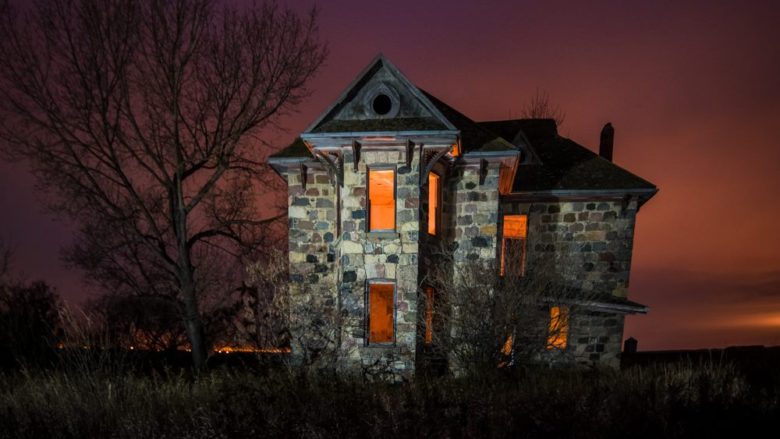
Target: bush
x=29 y=321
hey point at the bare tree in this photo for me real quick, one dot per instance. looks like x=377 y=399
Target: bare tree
x=540 y=107
x=260 y=319
x=142 y=119
x=484 y=320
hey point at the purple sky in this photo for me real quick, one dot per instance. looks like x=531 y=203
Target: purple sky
x=692 y=91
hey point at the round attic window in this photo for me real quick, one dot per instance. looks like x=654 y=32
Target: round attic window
x=381 y=101
x=382 y=104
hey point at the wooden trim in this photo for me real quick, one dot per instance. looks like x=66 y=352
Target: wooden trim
x=303 y=173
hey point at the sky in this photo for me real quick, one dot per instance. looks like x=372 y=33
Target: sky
x=692 y=89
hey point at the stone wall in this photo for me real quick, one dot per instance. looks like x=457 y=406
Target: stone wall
x=367 y=256
x=473 y=214
x=472 y=217
x=590 y=241
x=313 y=265
x=585 y=246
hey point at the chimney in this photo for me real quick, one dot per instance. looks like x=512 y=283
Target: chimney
x=630 y=345
x=607 y=140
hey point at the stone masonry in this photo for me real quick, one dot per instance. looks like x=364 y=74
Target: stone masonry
x=590 y=243
x=581 y=210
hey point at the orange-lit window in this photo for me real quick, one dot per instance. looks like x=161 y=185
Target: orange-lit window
x=506 y=349
x=429 y=295
x=455 y=150
x=513 y=245
x=559 y=327
x=381 y=196
x=381 y=312
x=506 y=352
x=433 y=202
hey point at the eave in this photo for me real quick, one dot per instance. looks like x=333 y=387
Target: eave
x=643 y=195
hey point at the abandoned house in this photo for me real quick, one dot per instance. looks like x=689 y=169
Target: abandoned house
x=389 y=174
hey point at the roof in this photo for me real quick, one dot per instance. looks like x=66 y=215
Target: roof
x=473 y=137
x=564 y=165
x=604 y=302
x=297 y=149
x=398 y=124
x=556 y=165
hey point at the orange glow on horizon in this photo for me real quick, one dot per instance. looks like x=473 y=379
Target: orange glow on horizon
x=381 y=193
x=250 y=350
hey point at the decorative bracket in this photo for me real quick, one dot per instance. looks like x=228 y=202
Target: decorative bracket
x=409 y=152
x=355 y=154
x=340 y=165
x=429 y=166
x=333 y=168
x=303 y=176
x=483 y=171
x=626 y=202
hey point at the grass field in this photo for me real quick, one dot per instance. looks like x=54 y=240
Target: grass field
x=681 y=400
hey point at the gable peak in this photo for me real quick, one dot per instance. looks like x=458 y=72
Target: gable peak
x=381 y=99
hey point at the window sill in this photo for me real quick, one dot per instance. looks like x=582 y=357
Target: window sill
x=383 y=235
x=381 y=345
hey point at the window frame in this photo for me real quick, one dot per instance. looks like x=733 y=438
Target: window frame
x=437 y=219
x=381 y=167
x=524 y=255
x=367 y=303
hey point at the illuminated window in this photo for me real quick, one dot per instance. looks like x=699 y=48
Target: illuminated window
x=513 y=245
x=559 y=327
x=455 y=150
x=506 y=352
x=429 y=297
x=433 y=202
x=381 y=313
x=381 y=196
x=506 y=349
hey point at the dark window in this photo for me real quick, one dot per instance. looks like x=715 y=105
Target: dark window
x=382 y=104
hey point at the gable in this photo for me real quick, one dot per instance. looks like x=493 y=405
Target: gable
x=380 y=99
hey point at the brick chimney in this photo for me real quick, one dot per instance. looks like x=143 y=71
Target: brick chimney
x=607 y=140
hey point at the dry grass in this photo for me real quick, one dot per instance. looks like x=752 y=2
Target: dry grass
x=669 y=401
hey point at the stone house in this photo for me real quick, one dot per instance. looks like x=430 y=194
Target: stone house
x=388 y=173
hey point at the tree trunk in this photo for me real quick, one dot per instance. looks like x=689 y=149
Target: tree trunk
x=192 y=320
x=194 y=326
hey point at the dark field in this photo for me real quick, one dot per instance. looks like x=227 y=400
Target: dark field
x=105 y=396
